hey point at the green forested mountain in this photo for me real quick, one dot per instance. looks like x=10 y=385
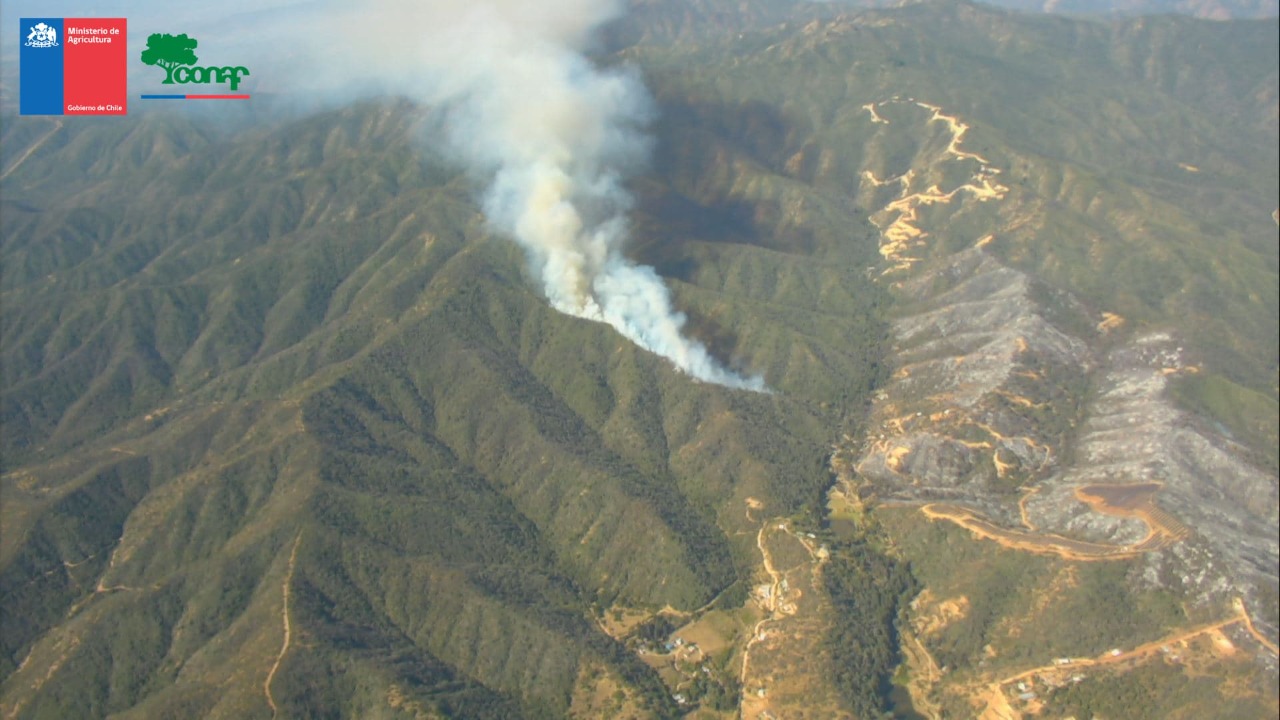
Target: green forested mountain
x=290 y=341
x=288 y=431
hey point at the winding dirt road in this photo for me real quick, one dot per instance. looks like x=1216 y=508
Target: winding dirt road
x=284 y=645
x=34 y=146
x=999 y=708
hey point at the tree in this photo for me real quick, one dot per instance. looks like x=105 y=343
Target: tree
x=170 y=52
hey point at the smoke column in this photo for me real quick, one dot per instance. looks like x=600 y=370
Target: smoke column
x=558 y=137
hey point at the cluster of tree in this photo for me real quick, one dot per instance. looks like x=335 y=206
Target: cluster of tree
x=1155 y=690
x=654 y=630
x=80 y=528
x=869 y=591
x=718 y=693
x=376 y=492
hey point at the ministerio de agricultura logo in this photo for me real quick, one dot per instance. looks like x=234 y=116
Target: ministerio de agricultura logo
x=73 y=66
x=175 y=54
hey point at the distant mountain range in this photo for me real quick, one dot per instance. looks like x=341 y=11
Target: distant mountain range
x=1206 y=9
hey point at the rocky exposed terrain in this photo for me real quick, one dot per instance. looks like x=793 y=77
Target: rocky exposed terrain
x=1011 y=402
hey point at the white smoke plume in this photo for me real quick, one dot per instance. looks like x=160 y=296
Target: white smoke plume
x=556 y=136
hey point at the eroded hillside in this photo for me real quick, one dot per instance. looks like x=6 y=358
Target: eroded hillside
x=1020 y=415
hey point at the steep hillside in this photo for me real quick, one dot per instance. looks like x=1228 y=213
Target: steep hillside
x=279 y=360
x=1077 y=230
x=1207 y=9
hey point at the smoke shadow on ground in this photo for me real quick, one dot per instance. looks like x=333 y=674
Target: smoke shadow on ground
x=720 y=340
x=752 y=128
x=683 y=202
x=701 y=148
x=665 y=221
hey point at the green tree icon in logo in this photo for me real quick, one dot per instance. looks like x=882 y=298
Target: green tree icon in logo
x=169 y=52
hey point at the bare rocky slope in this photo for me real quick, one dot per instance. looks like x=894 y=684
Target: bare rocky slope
x=1009 y=398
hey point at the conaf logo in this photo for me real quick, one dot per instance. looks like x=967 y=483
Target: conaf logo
x=176 y=55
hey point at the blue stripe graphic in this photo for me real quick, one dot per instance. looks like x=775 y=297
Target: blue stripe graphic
x=40 y=68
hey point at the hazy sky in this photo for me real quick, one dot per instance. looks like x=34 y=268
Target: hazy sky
x=221 y=27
